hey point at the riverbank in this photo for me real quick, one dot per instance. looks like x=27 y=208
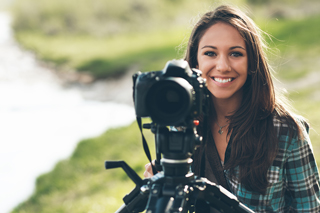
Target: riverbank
x=115 y=89
x=42 y=119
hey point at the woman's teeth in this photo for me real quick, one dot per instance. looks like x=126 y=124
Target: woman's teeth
x=222 y=80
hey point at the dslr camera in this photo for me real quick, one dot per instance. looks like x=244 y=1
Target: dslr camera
x=174 y=96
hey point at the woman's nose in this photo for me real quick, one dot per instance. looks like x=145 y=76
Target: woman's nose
x=223 y=64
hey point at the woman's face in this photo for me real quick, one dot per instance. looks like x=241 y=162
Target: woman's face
x=222 y=58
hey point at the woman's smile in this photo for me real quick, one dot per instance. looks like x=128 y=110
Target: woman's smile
x=222 y=80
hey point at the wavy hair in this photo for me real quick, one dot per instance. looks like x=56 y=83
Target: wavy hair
x=254 y=143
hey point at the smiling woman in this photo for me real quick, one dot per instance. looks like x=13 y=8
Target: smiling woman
x=265 y=156
x=264 y=141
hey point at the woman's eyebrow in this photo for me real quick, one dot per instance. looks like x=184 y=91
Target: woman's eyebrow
x=235 y=47
x=231 y=48
x=209 y=46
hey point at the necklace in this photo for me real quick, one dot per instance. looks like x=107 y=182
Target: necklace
x=220 y=128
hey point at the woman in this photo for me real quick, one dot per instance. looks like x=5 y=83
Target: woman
x=255 y=147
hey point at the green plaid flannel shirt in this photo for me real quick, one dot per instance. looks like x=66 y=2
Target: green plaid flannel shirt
x=293 y=177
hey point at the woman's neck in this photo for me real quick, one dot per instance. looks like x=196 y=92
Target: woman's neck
x=225 y=107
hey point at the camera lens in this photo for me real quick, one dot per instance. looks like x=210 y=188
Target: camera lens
x=169 y=101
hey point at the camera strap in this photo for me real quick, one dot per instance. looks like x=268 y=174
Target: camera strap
x=145 y=146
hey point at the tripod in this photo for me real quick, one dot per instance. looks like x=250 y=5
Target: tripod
x=175 y=189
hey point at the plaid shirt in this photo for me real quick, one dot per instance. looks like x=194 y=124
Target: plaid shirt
x=293 y=178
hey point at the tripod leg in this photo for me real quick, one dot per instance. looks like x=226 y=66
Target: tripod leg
x=218 y=197
x=181 y=199
x=169 y=199
x=158 y=203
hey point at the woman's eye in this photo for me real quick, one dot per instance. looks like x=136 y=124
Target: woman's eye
x=236 y=54
x=209 y=53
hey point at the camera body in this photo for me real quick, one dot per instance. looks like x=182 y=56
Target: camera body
x=174 y=96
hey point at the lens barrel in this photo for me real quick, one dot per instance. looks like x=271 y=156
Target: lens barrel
x=169 y=101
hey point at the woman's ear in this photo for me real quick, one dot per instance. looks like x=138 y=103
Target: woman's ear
x=197 y=66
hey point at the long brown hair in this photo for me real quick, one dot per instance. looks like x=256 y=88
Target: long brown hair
x=254 y=143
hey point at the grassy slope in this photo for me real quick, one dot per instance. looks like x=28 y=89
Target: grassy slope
x=145 y=33
x=105 y=57
x=80 y=184
x=298 y=43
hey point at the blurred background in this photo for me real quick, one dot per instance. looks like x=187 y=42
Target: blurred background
x=66 y=88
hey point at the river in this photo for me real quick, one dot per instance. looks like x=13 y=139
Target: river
x=41 y=121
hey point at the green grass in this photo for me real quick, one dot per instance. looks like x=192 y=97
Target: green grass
x=306 y=102
x=294 y=46
x=81 y=184
x=297 y=37
x=291 y=73
x=100 y=17
x=105 y=57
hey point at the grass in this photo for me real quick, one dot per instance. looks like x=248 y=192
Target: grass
x=296 y=37
x=294 y=46
x=104 y=57
x=306 y=102
x=100 y=17
x=81 y=184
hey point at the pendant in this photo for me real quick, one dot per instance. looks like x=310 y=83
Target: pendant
x=220 y=131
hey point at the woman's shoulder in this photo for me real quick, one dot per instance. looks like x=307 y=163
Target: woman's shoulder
x=291 y=131
x=289 y=123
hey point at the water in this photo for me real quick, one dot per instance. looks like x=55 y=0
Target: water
x=40 y=121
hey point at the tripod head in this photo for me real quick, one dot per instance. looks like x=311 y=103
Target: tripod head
x=174 y=146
